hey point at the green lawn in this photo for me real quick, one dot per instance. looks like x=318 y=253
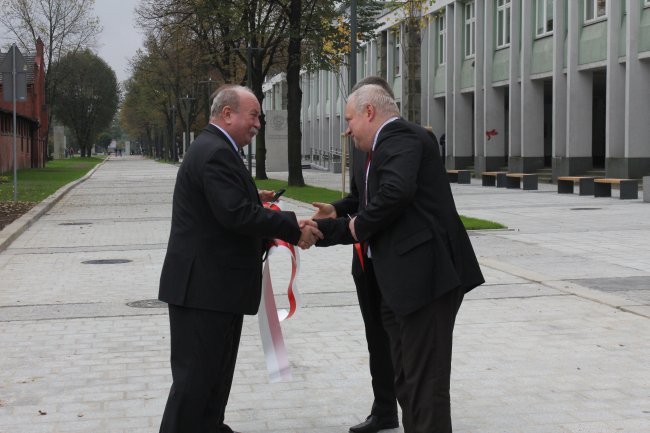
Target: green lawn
x=310 y=194
x=35 y=184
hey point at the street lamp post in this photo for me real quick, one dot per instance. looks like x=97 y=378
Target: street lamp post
x=188 y=102
x=208 y=83
x=172 y=111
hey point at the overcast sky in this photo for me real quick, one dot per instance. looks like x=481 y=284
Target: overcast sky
x=119 y=39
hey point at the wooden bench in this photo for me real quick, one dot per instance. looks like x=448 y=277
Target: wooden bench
x=492 y=178
x=460 y=176
x=528 y=181
x=585 y=184
x=629 y=188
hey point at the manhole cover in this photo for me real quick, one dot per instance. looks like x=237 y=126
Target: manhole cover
x=586 y=208
x=75 y=224
x=106 y=262
x=147 y=303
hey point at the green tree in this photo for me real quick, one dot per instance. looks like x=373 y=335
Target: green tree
x=88 y=97
x=103 y=141
x=318 y=39
x=225 y=31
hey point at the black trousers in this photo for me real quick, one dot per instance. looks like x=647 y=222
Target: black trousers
x=204 y=348
x=381 y=365
x=421 y=344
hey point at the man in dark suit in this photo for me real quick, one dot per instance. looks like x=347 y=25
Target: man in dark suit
x=383 y=414
x=421 y=255
x=212 y=272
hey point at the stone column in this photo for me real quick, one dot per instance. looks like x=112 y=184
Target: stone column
x=514 y=112
x=453 y=44
x=559 y=89
x=637 y=95
x=531 y=132
x=493 y=103
x=615 y=122
x=59 y=142
x=479 y=91
x=459 y=151
x=578 y=158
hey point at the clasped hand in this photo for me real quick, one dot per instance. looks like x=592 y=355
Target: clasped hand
x=309 y=233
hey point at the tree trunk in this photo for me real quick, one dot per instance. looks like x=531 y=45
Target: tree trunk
x=412 y=71
x=260 y=139
x=294 y=95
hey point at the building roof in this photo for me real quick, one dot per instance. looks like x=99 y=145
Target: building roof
x=30 y=60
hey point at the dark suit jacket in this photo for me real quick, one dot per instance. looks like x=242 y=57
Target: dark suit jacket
x=218 y=231
x=420 y=249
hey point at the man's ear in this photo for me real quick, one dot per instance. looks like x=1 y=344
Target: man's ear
x=226 y=114
x=369 y=112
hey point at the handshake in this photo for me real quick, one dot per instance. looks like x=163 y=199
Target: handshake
x=309 y=231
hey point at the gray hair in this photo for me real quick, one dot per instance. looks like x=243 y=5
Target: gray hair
x=227 y=96
x=377 y=96
x=374 y=79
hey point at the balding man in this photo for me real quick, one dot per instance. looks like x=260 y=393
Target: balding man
x=383 y=413
x=212 y=272
x=419 y=251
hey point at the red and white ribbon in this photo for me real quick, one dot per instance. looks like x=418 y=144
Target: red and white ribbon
x=269 y=316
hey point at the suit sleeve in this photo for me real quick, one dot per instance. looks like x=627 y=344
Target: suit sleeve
x=231 y=203
x=397 y=164
x=335 y=232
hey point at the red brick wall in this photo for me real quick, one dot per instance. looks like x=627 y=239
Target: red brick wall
x=32 y=122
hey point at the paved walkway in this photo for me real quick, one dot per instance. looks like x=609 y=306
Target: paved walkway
x=555 y=342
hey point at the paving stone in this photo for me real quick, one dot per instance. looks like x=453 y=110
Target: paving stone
x=532 y=353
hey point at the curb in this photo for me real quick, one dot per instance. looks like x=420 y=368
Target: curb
x=571 y=288
x=18 y=227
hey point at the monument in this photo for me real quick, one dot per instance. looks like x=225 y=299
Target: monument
x=58 y=148
x=277 y=158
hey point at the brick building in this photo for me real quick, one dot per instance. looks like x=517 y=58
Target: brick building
x=31 y=122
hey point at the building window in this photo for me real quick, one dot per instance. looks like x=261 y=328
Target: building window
x=646 y=3
x=441 y=49
x=470 y=29
x=397 y=49
x=503 y=23
x=595 y=10
x=544 y=13
x=362 y=61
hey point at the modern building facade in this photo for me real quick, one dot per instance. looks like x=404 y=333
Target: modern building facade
x=31 y=118
x=523 y=85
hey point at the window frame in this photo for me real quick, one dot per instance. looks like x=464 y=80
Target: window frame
x=469 y=30
x=504 y=17
x=545 y=9
x=397 y=52
x=596 y=18
x=441 y=39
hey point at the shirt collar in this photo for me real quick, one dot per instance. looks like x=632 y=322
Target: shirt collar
x=374 y=143
x=227 y=135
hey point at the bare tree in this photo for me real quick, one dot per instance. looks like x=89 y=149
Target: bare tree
x=64 y=26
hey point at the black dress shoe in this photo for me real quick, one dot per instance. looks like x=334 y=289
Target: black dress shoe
x=374 y=423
